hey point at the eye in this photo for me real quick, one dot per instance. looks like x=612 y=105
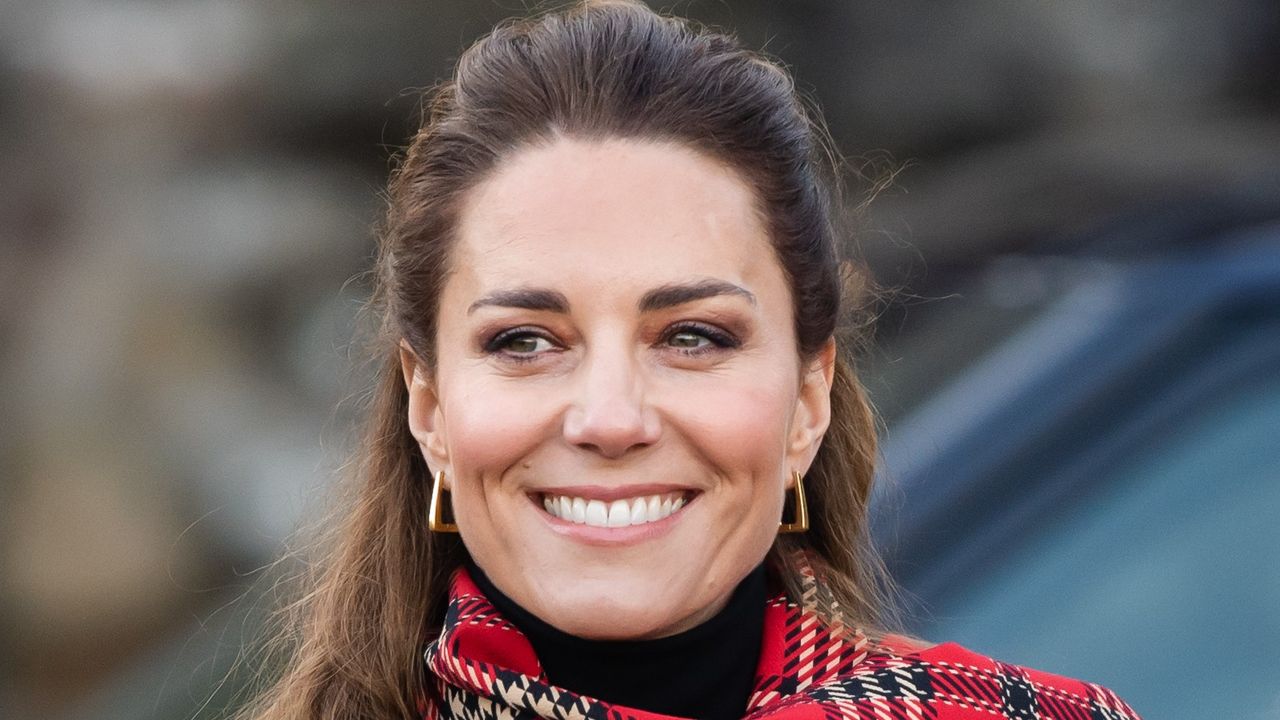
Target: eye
x=688 y=340
x=519 y=344
x=696 y=338
x=526 y=344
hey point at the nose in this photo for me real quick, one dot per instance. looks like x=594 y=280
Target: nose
x=609 y=415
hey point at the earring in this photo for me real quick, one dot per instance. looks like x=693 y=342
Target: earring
x=435 y=515
x=801 y=523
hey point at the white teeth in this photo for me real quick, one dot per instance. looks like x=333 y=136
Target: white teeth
x=619 y=513
x=597 y=515
x=637 y=514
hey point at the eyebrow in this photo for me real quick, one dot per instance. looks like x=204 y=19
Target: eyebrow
x=679 y=293
x=656 y=299
x=524 y=298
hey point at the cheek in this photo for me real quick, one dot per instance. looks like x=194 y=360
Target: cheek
x=490 y=429
x=491 y=426
x=739 y=420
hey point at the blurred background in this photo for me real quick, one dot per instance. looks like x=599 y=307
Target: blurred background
x=1079 y=369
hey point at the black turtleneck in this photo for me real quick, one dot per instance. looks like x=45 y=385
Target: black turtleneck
x=706 y=672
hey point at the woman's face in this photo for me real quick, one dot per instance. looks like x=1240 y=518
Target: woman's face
x=618 y=402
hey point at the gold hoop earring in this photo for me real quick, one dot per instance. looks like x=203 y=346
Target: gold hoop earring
x=801 y=522
x=435 y=515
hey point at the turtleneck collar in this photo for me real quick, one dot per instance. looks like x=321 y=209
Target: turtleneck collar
x=705 y=672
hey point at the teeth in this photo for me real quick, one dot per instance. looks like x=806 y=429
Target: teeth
x=597 y=515
x=619 y=513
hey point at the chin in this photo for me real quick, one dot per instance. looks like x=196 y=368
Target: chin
x=609 y=611
x=613 y=622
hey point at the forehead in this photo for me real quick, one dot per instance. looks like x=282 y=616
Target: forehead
x=612 y=214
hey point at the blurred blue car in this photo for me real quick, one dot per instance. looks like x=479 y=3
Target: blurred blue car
x=1099 y=494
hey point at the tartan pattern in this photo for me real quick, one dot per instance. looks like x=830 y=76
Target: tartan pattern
x=812 y=667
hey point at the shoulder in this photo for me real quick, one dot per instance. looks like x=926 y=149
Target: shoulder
x=959 y=683
x=824 y=672
x=813 y=669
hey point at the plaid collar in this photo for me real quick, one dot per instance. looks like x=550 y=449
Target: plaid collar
x=481 y=667
x=482 y=664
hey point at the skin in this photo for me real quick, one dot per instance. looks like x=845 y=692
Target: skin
x=707 y=396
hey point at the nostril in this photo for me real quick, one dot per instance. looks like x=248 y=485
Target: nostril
x=611 y=430
x=611 y=451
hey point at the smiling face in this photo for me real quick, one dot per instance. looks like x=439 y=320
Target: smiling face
x=618 y=401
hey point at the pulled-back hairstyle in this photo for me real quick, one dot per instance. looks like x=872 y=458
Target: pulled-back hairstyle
x=601 y=69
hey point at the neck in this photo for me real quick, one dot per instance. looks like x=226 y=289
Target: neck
x=669 y=675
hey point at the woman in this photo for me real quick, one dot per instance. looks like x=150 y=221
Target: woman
x=617 y=465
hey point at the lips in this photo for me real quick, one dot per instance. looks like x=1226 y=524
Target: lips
x=616 y=513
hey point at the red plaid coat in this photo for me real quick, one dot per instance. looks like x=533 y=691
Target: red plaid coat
x=482 y=668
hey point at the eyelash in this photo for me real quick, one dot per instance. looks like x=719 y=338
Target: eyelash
x=719 y=339
x=495 y=345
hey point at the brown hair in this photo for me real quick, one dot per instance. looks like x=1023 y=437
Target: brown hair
x=601 y=69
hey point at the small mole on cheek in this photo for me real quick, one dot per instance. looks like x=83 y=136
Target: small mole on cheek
x=526 y=464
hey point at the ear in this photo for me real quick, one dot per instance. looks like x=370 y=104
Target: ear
x=425 y=422
x=813 y=410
